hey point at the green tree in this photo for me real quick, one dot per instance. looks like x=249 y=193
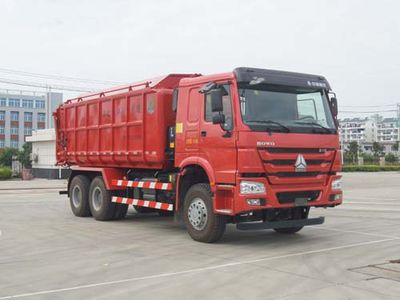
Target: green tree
x=24 y=156
x=396 y=146
x=6 y=156
x=353 y=151
x=377 y=149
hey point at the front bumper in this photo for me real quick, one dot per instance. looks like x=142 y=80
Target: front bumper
x=279 y=224
x=229 y=201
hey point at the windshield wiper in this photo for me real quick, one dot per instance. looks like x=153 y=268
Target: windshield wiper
x=326 y=129
x=283 y=127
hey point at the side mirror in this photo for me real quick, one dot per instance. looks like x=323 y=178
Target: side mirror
x=216 y=100
x=218 y=119
x=334 y=106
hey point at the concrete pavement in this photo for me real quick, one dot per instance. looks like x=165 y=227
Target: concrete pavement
x=47 y=253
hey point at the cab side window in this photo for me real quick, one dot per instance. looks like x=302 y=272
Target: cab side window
x=227 y=108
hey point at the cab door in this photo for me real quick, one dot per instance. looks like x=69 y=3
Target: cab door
x=217 y=142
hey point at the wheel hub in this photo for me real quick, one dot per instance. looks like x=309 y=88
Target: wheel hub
x=197 y=214
x=76 y=196
x=97 y=198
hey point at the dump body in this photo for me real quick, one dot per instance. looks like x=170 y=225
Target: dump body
x=124 y=128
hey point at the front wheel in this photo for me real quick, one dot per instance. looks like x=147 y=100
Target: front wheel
x=202 y=223
x=297 y=213
x=290 y=230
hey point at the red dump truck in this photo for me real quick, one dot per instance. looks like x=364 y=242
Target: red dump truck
x=253 y=147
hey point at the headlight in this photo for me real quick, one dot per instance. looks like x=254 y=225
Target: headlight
x=252 y=187
x=336 y=184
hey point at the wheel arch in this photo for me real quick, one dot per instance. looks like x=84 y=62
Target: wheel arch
x=193 y=171
x=108 y=174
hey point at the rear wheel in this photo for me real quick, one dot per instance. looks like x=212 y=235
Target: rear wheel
x=101 y=207
x=202 y=223
x=78 y=196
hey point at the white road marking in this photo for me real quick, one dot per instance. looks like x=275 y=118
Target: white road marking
x=196 y=270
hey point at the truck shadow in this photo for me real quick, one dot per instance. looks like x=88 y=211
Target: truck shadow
x=232 y=236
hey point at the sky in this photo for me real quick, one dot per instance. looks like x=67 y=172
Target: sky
x=354 y=44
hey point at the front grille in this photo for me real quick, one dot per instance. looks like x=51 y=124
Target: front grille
x=297 y=150
x=290 y=197
x=291 y=162
x=295 y=174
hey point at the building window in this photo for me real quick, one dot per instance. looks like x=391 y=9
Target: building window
x=14 y=144
x=27 y=103
x=28 y=116
x=2 y=129
x=28 y=131
x=2 y=115
x=39 y=104
x=14 y=116
x=2 y=144
x=41 y=117
x=3 y=102
x=14 y=130
x=12 y=102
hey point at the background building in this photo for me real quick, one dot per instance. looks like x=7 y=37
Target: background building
x=23 y=111
x=366 y=131
x=44 y=155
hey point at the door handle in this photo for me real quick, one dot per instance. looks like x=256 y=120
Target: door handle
x=203 y=133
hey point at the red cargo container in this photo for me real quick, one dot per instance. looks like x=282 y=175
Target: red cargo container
x=123 y=127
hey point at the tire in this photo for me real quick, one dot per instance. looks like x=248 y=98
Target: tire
x=101 y=207
x=290 y=230
x=78 y=196
x=207 y=228
x=298 y=213
x=120 y=211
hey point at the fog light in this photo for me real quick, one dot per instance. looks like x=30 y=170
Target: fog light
x=256 y=202
x=335 y=197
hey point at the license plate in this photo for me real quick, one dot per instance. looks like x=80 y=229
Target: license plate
x=300 y=201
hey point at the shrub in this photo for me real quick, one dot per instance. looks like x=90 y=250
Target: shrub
x=6 y=155
x=5 y=173
x=391 y=158
x=368 y=158
x=370 y=168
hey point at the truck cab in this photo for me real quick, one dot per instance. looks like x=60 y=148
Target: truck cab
x=266 y=141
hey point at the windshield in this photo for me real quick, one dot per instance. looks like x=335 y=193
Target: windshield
x=285 y=109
